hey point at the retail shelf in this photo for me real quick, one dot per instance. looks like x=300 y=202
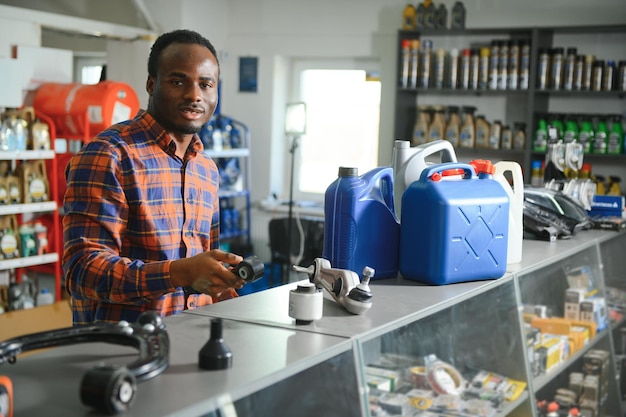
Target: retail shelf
x=228 y=153
x=27 y=155
x=28 y=208
x=29 y=261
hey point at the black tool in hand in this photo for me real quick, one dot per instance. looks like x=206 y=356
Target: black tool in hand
x=250 y=269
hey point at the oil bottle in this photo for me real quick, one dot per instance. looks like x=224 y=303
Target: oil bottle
x=360 y=227
x=408 y=17
x=586 y=133
x=437 y=125
x=495 y=134
x=506 y=142
x=519 y=135
x=540 y=140
x=571 y=130
x=458 y=16
x=453 y=127
x=599 y=144
x=420 y=16
x=482 y=132
x=616 y=136
x=442 y=17
x=430 y=15
x=468 y=129
x=420 y=130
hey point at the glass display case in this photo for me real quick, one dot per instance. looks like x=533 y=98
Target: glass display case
x=478 y=348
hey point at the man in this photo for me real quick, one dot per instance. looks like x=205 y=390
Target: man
x=141 y=220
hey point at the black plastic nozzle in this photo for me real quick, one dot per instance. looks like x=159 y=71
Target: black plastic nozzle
x=215 y=354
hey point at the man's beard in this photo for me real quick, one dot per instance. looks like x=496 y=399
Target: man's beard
x=187 y=129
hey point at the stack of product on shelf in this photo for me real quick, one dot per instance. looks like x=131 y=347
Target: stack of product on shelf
x=463 y=128
x=597 y=133
x=587 y=391
x=564 y=69
x=555 y=135
x=427 y=15
x=22 y=182
x=500 y=65
x=403 y=385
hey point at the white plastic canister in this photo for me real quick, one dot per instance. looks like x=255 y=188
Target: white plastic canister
x=409 y=162
x=516 y=206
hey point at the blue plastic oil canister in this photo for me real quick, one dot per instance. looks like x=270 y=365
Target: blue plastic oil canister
x=453 y=230
x=360 y=225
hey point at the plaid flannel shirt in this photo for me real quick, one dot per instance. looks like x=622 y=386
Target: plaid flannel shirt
x=131 y=207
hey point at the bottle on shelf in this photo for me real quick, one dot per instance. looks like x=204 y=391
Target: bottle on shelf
x=494 y=59
x=408 y=17
x=586 y=133
x=543 y=69
x=457 y=16
x=506 y=141
x=420 y=16
x=495 y=134
x=430 y=14
x=615 y=141
x=453 y=126
x=588 y=72
x=568 y=69
x=621 y=76
x=44 y=297
x=483 y=70
x=513 y=72
x=519 y=135
x=427 y=49
x=540 y=140
x=571 y=129
x=420 y=130
x=608 y=77
x=556 y=76
x=482 y=132
x=453 y=69
x=441 y=17
x=597 y=74
x=474 y=72
x=536 y=176
x=468 y=129
x=556 y=121
x=440 y=66
x=503 y=65
x=437 y=125
x=414 y=53
x=405 y=60
x=579 y=71
x=464 y=69
x=524 y=65
x=601 y=136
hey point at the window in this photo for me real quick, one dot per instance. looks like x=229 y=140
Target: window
x=342 y=104
x=89 y=67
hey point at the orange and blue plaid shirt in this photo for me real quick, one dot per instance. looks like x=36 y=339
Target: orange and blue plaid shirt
x=131 y=207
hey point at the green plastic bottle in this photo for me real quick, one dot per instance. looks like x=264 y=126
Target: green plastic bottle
x=541 y=135
x=557 y=122
x=601 y=137
x=586 y=133
x=615 y=144
x=571 y=130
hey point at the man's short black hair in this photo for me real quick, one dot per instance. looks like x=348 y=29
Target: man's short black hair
x=176 y=36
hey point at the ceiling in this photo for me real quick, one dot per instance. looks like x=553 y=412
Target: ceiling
x=121 y=12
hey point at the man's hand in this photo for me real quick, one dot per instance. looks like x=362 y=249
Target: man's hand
x=206 y=272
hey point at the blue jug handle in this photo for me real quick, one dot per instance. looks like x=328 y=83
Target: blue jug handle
x=384 y=176
x=469 y=170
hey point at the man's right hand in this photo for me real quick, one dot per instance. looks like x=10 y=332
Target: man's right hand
x=206 y=272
